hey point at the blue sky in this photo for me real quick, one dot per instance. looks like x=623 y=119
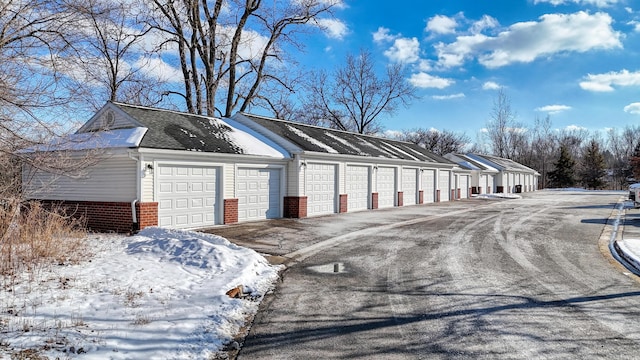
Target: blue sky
x=576 y=60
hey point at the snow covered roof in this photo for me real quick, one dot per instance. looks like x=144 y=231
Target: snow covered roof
x=307 y=138
x=469 y=163
x=501 y=164
x=167 y=129
x=117 y=138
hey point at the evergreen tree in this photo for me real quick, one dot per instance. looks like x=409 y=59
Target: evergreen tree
x=593 y=167
x=564 y=173
x=634 y=162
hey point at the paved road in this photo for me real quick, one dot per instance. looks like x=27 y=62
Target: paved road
x=509 y=279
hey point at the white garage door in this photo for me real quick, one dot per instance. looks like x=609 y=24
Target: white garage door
x=409 y=186
x=386 y=179
x=445 y=190
x=320 y=185
x=187 y=196
x=512 y=182
x=483 y=184
x=258 y=193
x=357 y=184
x=428 y=185
x=464 y=186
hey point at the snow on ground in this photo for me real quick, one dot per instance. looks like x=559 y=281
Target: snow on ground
x=497 y=196
x=158 y=295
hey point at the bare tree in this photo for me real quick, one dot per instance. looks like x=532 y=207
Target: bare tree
x=354 y=97
x=107 y=58
x=438 y=142
x=506 y=136
x=543 y=146
x=620 y=146
x=32 y=34
x=228 y=49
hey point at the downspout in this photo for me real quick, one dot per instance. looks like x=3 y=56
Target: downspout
x=138 y=160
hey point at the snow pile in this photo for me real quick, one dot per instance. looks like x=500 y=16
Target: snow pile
x=160 y=294
x=497 y=196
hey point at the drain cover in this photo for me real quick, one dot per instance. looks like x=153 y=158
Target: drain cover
x=332 y=268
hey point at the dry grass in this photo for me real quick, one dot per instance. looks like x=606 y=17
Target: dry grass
x=32 y=237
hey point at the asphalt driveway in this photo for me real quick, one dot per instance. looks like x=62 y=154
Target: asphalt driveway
x=519 y=278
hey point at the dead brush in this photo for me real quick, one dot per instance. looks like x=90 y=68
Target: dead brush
x=32 y=236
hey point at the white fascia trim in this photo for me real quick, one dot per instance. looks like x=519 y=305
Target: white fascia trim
x=321 y=156
x=239 y=158
x=98 y=115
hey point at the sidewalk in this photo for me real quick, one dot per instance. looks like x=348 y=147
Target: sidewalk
x=627 y=243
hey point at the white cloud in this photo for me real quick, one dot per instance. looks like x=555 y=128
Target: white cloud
x=487 y=22
x=633 y=108
x=526 y=41
x=605 y=82
x=334 y=28
x=382 y=35
x=553 y=109
x=598 y=3
x=404 y=50
x=424 y=80
x=575 y=128
x=425 y=65
x=158 y=69
x=635 y=24
x=393 y=134
x=490 y=85
x=448 y=97
x=441 y=24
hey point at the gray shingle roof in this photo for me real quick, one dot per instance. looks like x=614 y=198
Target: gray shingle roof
x=505 y=164
x=324 y=140
x=181 y=131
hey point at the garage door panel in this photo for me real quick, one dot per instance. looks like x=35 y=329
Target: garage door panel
x=357 y=185
x=428 y=185
x=258 y=191
x=386 y=178
x=187 y=196
x=445 y=187
x=409 y=186
x=320 y=185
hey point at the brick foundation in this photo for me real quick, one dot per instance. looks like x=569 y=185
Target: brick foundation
x=374 y=200
x=420 y=196
x=343 y=203
x=437 y=196
x=101 y=216
x=147 y=214
x=459 y=194
x=400 y=198
x=230 y=211
x=499 y=189
x=295 y=207
x=452 y=196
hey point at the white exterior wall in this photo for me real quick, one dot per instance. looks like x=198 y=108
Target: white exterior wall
x=295 y=179
x=112 y=179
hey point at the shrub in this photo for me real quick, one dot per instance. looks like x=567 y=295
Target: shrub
x=32 y=236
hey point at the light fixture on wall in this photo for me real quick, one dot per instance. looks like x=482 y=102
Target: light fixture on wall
x=303 y=164
x=375 y=167
x=147 y=169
